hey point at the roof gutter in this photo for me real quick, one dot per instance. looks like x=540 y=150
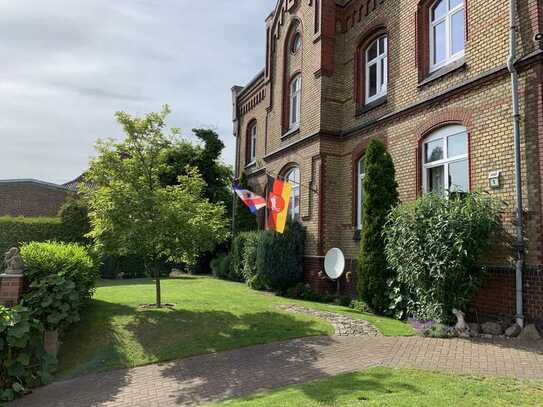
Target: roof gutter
x=519 y=244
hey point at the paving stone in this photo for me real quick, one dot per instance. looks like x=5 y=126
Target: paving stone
x=213 y=377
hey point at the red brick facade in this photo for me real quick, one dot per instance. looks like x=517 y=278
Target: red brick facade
x=31 y=198
x=11 y=289
x=473 y=91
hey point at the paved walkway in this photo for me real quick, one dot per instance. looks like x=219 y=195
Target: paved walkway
x=203 y=379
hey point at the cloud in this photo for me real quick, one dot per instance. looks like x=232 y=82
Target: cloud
x=69 y=65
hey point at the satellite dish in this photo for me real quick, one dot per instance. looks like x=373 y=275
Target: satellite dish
x=334 y=263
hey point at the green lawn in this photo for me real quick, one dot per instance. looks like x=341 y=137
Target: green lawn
x=397 y=387
x=210 y=315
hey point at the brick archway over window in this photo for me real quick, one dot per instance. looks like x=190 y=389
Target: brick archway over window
x=458 y=116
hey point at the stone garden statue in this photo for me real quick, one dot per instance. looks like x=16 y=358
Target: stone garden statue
x=461 y=328
x=14 y=262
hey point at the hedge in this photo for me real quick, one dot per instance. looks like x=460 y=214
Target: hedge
x=279 y=258
x=68 y=260
x=266 y=260
x=15 y=231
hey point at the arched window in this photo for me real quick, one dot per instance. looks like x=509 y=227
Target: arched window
x=295 y=102
x=252 y=133
x=376 y=69
x=361 y=174
x=293 y=178
x=447 y=32
x=296 y=43
x=446 y=161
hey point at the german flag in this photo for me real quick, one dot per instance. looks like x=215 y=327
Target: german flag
x=278 y=200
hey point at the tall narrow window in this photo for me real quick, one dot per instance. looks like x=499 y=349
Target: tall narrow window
x=295 y=102
x=361 y=174
x=253 y=142
x=447 y=32
x=445 y=161
x=293 y=177
x=376 y=69
x=252 y=134
x=317 y=16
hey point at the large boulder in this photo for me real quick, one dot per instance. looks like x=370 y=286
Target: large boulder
x=513 y=331
x=475 y=329
x=492 y=328
x=530 y=333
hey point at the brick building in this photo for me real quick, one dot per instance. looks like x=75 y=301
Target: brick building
x=28 y=197
x=430 y=78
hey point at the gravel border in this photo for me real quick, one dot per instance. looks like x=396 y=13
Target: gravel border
x=343 y=325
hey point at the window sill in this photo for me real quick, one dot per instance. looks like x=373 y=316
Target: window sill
x=250 y=165
x=290 y=133
x=372 y=105
x=459 y=64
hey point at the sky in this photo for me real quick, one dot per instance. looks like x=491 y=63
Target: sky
x=68 y=65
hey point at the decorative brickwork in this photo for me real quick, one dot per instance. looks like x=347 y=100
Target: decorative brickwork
x=335 y=128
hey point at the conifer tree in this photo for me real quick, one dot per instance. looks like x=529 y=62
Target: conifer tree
x=380 y=196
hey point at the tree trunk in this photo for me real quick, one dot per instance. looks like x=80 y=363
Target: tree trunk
x=157 y=283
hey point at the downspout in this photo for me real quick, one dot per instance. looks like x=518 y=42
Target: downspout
x=235 y=122
x=519 y=244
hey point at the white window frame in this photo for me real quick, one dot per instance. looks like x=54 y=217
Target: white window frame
x=447 y=18
x=295 y=102
x=381 y=63
x=294 y=211
x=253 y=133
x=444 y=134
x=360 y=193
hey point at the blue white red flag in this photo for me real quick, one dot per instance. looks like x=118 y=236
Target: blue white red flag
x=254 y=202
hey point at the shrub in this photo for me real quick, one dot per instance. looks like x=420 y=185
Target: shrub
x=54 y=301
x=359 y=306
x=24 y=362
x=279 y=257
x=304 y=292
x=434 y=245
x=380 y=196
x=236 y=261
x=74 y=216
x=15 y=231
x=220 y=266
x=68 y=260
x=249 y=270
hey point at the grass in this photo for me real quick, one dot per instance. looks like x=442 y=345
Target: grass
x=400 y=387
x=210 y=315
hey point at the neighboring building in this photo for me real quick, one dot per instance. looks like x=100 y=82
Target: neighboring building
x=429 y=78
x=30 y=197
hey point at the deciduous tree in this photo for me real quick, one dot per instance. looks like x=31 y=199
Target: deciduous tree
x=133 y=213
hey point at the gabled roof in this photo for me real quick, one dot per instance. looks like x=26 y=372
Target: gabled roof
x=33 y=181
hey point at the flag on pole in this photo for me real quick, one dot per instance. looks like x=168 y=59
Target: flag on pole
x=278 y=200
x=254 y=202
